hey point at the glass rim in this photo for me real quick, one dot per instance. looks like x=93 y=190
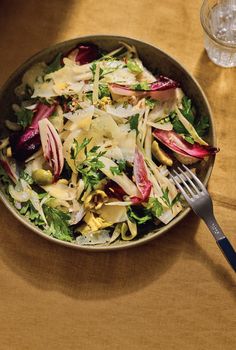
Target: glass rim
x=205 y=27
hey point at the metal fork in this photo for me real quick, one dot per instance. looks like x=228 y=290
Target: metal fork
x=199 y=200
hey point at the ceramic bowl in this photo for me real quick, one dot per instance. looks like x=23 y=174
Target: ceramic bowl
x=156 y=61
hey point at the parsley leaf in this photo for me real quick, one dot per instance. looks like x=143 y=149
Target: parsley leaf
x=166 y=198
x=55 y=65
x=117 y=170
x=189 y=139
x=90 y=167
x=76 y=148
x=24 y=117
x=155 y=207
x=187 y=109
x=142 y=85
x=133 y=121
x=176 y=199
x=134 y=67
x=58 y=224
x=4 y=177
x=202 y=126
x=25 y=176
x=150 y=103
x=102 y=72
x=103 y=91
x=136 y=218
x=28 y=210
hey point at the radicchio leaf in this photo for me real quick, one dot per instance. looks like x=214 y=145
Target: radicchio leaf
x=24 y=144
x=176 y=143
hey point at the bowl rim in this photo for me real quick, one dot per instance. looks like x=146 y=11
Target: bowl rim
x=127 y=244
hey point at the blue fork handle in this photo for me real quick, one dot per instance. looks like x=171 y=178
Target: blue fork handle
x=228 y=251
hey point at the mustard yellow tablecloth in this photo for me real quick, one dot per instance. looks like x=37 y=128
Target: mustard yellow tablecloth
x=177 y=292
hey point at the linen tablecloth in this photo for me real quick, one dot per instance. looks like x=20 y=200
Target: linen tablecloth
x=177 y=292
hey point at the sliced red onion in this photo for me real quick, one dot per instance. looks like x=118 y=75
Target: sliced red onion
x=176 y=143
x=52 y=147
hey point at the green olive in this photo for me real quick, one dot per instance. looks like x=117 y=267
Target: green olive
x=42 y=177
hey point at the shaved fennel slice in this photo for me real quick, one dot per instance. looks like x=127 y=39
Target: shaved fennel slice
x=123 y=112
x=164 y=126
x=67 y=147
x=95 y=83
x=165 y=183
x=22 y=192
x=144 y=125
x=81 y=118
x=77 y=216
x=66 y=80
x=157 y=113
x=34 y=164
x=167 y=214
x=60 y=191
x=189 y=127
x=146 y=76
x=127 y=144
x=114 y=153
x=18 y=194
x=105 y=126
x=79 y=189
x=113 y=214
x=57 y=119
x=122 y=180
x=122 y=204
x=44 y=89
x=121 y=76
x=148 y=142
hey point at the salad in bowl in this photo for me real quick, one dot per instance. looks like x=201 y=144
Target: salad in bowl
x=91 y=140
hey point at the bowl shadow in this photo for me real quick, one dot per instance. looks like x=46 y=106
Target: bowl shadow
x=201 y=72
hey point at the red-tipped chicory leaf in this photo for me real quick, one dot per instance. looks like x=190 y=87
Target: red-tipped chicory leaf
x=24 y=144
x=113 y=190
x=84 y=53
x=176 y=143
x=52 y=147
x=8 y=168
x=141 y=178
x=162 y=89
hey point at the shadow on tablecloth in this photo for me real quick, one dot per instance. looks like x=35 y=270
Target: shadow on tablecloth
x=28 y=27
x=84 y=275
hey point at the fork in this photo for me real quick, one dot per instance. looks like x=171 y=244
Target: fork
x=200 y=201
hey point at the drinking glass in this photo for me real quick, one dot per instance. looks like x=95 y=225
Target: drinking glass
x=218 y=19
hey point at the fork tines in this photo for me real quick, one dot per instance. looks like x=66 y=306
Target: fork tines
x=188 y=183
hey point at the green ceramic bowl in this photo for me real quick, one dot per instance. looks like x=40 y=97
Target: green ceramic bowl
x=156 y=61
